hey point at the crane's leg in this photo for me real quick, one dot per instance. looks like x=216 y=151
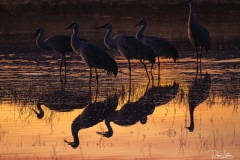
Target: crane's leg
x=151 y=72
x=96 y=75
x=97 y=92
x=129 y=90
x=61 y=64
x=145 y=69
x=201 y=61
x=90 y=77
x=63 y=82
x=158 y=68
x=65 y=64
x=197 y=58
x=129 y=67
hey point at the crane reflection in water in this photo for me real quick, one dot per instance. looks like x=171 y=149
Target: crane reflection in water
x=134 y=112
x=198 y=93
x=63 y=101
x=91 y=115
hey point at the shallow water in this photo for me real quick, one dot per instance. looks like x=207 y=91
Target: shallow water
x=37 y=111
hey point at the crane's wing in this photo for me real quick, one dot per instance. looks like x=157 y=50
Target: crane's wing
x=116 y=39
x=61 y=43
x=156 y=43
x=97 y=58
x=201 y=35
x=161 y=47
x=130 y=47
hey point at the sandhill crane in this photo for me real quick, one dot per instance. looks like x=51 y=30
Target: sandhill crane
x=197 y=94
x=57 y=43
x=93 y=56
x=197 y=34
x=93 y=114
x=161 y=46
x=129 y=47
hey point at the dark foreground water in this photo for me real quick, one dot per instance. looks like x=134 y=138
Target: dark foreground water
x=37 y=110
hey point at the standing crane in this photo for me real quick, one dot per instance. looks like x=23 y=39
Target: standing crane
x=161 y=46
x=57 y=43
x=93 y=56
x=197 y=34
x=129 y=47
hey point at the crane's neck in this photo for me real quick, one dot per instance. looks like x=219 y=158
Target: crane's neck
x=191 y=11
x=107 y=122
x=74 y=39
x=108 y=41
x=41 y=44
x=40 y=115
x=139 y=34
x=191 y=111
x=76 y=126
x=112 y=117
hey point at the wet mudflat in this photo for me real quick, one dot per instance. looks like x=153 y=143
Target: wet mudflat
x=176 y=117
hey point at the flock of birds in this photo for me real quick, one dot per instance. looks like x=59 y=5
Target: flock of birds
x=140 y=47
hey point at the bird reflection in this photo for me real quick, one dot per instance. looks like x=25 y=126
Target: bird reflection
x=63 y=101
x=93 y=114
x=130 y=114
x=197 y=94
x=161 y=95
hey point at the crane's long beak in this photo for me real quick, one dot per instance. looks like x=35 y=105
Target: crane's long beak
x=137 y=24
x=69 y=26
x=36 y=33
x=102 y=26
x=99 y=27
x=189 y=1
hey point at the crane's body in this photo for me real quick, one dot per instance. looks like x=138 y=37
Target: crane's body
x=129 y=47
x=161 y=46
x=93 y=56
x=58 y=44
x=197 y=34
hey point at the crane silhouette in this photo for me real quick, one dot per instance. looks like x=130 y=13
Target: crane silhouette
x=197 y=34
x=63 y=101
x=58 y=44
x=161 y=95
x=161 y=46
x=93 y=56
x=198 y=93
x=129 y=47
x=93 y=114
x=129 y=114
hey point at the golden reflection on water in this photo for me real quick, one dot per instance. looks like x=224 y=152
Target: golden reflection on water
x=29 y=77
x=23 y=135
x=163 y=135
